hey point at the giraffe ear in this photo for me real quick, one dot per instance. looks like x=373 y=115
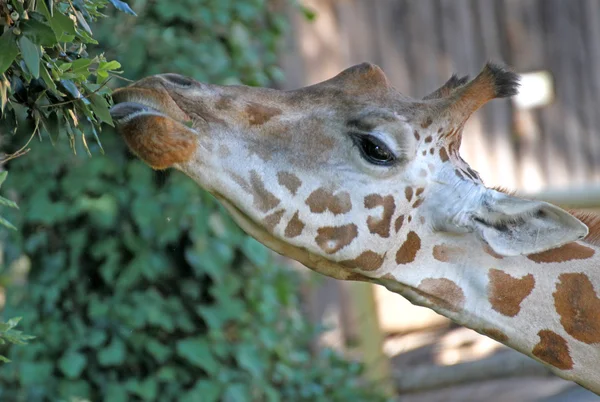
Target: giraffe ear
x=515 y=226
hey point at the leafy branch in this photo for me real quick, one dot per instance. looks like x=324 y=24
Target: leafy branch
x=46 y=74
x=10 y=335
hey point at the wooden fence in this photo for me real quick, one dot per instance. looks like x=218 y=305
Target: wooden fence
x=420 y=43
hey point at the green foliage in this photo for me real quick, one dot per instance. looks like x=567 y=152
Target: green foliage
x=142 y=288
x=226 y=41
x=6 y=203
x=10 y=335
x=45 y=70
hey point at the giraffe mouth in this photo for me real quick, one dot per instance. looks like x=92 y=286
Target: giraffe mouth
x=148 y=97
x=126 y=111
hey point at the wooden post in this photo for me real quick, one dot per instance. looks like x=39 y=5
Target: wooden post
x=369 y=337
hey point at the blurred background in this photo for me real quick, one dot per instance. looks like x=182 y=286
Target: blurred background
x=139 y=287
x=544 y=143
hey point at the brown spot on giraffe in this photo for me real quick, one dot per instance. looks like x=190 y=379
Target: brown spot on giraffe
x=442 y=292
x=419 y=191
x=495 y=334
x=408 y=193
x=568 y=252
x=506 y=293
x=294 y=227
x=380 y=226
x=225 y=102
x=259 y=114
x=264 y=200
x=398 y=223
x=444 y=155
x=459 y=174
x=417 y=136
x=273 y=219
x=578 y=306
x=289 y=181
x=428 y=139
x=408 y=251
x=427 y=122
x=333 y=238
x=447 y=253
x=322 y=200
x=367 y=261
x=417 y=203
x=553 y=349
x=432 y=151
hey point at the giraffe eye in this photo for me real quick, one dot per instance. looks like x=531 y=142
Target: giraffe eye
x=374 y=150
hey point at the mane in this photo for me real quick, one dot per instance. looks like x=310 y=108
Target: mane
x=590 y=219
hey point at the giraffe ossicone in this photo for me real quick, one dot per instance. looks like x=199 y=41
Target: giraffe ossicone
x=360 y=182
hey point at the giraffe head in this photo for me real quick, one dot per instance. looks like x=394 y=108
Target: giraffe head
x=331 y=173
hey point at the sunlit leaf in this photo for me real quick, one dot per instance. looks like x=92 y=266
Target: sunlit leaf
x=4 y=88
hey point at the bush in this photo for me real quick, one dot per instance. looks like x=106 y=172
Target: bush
x=140 y=287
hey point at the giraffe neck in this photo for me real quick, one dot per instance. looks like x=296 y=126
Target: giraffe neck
x=545 y=305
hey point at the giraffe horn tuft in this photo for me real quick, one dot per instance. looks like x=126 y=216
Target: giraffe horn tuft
x=492 y=82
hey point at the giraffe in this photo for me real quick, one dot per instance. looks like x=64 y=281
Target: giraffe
x=359 y=182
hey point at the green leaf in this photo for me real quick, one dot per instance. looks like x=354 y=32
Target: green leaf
x=8 y=50
x=109 y=66
x=113 y=354
x=7 y=224
x=197 y=352
x=32 y=55
x=8 y=203
x=81 y=66
x=160 y=352
x=101 y=109
x=204 y=390
x=48 y=79
x=38 y=32
x=3 y=177
x=72 y=364
x=62 y=25
x=249 y=359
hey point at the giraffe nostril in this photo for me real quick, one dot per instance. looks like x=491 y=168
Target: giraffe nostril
x=178 y=80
